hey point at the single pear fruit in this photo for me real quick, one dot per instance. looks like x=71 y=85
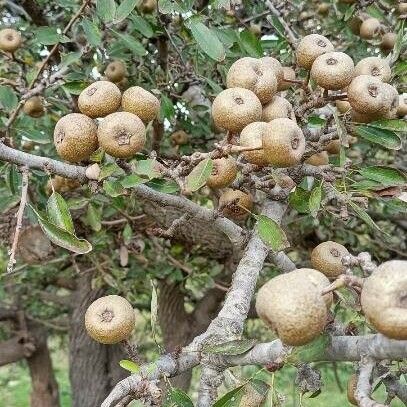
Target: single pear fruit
x=34 y=107
x=115 y=71
x=374 y=66
x=402 y=108
x=110 y=319
x=288 y=73
x=251 y=73
x=275 y=66
x=327 y=258
x=283 y=143
x=75 y=137
x=317 y=159
x=255 y=29
x=388 y=41
x=179 y=138
x=10 y=40
x=235 y=204
x=333 y=147
x=224 y=172
x=121 y=134
x=141 y=102
x=310 y=48
x=323 y=9
x=148 y=6
x=235 y=108
x=277 y=108
x=343 y=106
x=370 y=28
x=292 y=306
x=252 y=136
x=333 y=70
x=384 y=299
x=99 y=99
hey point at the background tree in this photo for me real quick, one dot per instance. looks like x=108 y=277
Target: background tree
x=198 y=190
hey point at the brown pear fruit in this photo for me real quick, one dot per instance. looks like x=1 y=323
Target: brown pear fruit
x=327 y=258
x=235 y=204
x=10 y=40
x=277 y=108
x=374 y=66
x=141 y=102
x=310 y=47
x=252 y=136
x=224 y=172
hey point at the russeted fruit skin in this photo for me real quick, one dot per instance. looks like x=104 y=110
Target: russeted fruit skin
x=141 y=102
x=148 y=6
x=369 y=95
x=317 y=159
x=333 y=147
x=370 y=28
x=75 y=137
x=34 y=107
x=251 y=73
x=99 y=99
x=343 y=106
x=235 y=204
x=224 y=172
x=110 y=319
x=121 y=134
x=179 y=137
x=351 y=389
x=323 y=9
x=61 y=184
x=115 y=71
x=274 y=65
x=288 y=73
x=33 y=245
x=402 y=108
x=283 y=143
x=327 y=258
x=388 y=41
x=374 y=66
x=384 y=300
x=310 y=48
x=10 y=40
x=278 y=107
x=354 y=24
x=252 y=136
x=235 y=108
x=292 y=306
x=333 y=70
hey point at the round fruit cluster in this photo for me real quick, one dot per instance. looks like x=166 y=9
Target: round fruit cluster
x=294 y=306
x=120 y=134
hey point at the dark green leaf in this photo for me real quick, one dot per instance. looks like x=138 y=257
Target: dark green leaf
x=198 y=176
x=148 y=169
x=49 y=36
x=110 y=169
x=386 y=176
x=142 y=26
x=92 y=32
x=275 y=22
x=362 y=214
x=113 y=188
x=132 y=180
x=93 y=217
x=70 y=58
x=58 y=212
x=177 y=398
x=229 y=399
x=271 y=233
x=385 y=138
x=75 y=87
x=250 y=44
x=129 y=365
x=314 y=202
x=124 y=9
x=131 y=43
x=8 y=99
x=106 y=10
x=236 y=347
x=167 y=110
x=299 y=199
x=396 y=125
x=160 y=185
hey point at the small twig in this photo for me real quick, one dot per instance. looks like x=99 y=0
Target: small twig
x=348 y=280
x=20 y=213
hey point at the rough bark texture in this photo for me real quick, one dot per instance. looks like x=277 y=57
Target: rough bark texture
x=12 y=350
x=93 y=368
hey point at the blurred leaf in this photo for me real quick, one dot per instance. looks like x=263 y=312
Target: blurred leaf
x=70 y=58
x=396 y=125
x=38 y=136
x=93 y=217
x=130 y=366
x=97 y=156
x=309 y=352
x=314 y=202
x=106 y=10
x=92 y=32
x=362 y=214
x=275 y=22
x=124 y=9
x=113 y=188
x=236 y=347
x=299 y=199
x=167 y=110
x=8 y=99
x=385 y=138
x=229 y=399
x=206 y=39
x=177 y=398
x=142 y=26
x=160 y=185
x=127 y=233
x=58 y=212
x=110 y=169
x=131 y=43
x=198 y=176
x=221 y=4
x=349 y=12
x=61 y=237
x=271 y=233
x=250 y=44
x=49 y=36
x=386 y=176
x=171 y=6
x=132 y=180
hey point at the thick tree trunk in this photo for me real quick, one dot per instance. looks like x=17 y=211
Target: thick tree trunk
x=44 y=392
x=93 y=368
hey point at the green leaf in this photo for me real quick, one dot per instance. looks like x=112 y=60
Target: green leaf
x=271 y=233
x=70 y=58
x=132 y=180
x=113 y=188
x=129 y=365
x=349 y=12
x=124 y=9
x=93 y=217
x=58 y=212
x=49 y=36
x=250 y=44
x=148 y=168
x=131 y=43
x=385 y=138
x=236 y=347
x=106 y=10
x=74 y=87
x=171 y=6
x=396 y=125
x=92 y=32
x=97 y=156
x=110 y=169
x=206 y=39
x=314 y=202
x=229 y=399
x=198 y=176
x=275 y=22
x=386 y=176
x=161 y=185
x=39 y=136
x=8 y=99
x=221 y=4
x=178 y=398
x=362 y=214
x=309 y=352
x=142 y=26
x=167 y=110
x=61 y=237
